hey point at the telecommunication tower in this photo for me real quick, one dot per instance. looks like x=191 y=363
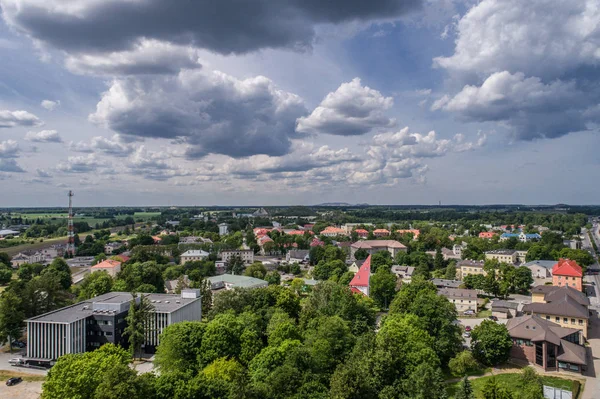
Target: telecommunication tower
x=70 y=252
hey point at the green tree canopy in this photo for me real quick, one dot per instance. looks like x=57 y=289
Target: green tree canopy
x=490 y=343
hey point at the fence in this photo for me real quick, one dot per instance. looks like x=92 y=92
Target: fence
x=556 y=393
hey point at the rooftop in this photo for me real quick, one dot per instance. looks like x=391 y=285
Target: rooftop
x=369 y=244
x=195 y=252
x=501 y=252
x=361 y=278
x=470 y=263
x=565 y=306
x=548 y=264
x=537 y=329
x=567 y=267
x=107 y=264
x=457 y=293
x=237 y=281
x=105 y=304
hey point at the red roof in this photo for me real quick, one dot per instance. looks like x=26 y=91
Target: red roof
x=355 y=290
x=487 y=234
x=362 y=231
x=107 y=264
x=567 y=267
x=123 y=258
x=316 y=243
x=361 y=279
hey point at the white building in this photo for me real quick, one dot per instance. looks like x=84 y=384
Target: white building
x=247 y=255
x=223 y=229
x=193 y=255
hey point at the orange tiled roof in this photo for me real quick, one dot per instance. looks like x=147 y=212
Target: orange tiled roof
x=567 y=267
x=107 y=264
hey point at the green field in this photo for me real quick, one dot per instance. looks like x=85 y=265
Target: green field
x=92 y=221
x=508 y=380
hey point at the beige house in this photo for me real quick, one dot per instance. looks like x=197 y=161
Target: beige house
x=467 y=267
x=374 y=246
x=193 y=255
x=462 y=299
x=247 y=255
x=112 y=267
x=502 y=255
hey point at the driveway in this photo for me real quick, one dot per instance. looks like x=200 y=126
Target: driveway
x=24 y=390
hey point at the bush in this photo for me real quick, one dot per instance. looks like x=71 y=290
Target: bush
x=462 y=364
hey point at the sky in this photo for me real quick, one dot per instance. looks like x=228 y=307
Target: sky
x=299 y=102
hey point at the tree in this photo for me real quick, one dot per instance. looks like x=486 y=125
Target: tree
x=465 y=390
x=78 y=376
x=450 y=273
x=5 y=274
x=324 y=270
x=582 y=257
x=490 y=343
x=297 y=285
x=381 y=259
x=138 y=319
x=438 y=261
x=4 y=258
x=361 y=254
x=95 y=284
x=531 y=384
x=61 y=269
x=462 y=363
x=522 y=279
x=180 y=347
x=11 y=317
x=493 y=390
x=273 y=278
x=257 y=270
x=383 y=286
x=235 y=265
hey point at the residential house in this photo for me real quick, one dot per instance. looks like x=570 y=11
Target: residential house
x=172 y=286
x=381 y=232
x=562 y=305
x=262 y=241
x=487 y=234
x=112 y=267
x=110 y=247
x=316 y=242
x=362 y=233
x=349 y=227
x=445 y=283
x=573 y=244
x=521 y=257
x=567 y=272
x=223 y=229
x=529 y=237
x=231 y=281
x=502 y=255
x=504 y=309
x=508 y=236
x=414 y=232
x=220 y=267
x=333 y=231
x=374 y=246
x=467 y=267
x=261 y=213
x=360 y=282
x=297 y=256
x=246 y=254
x=463 y=299
x=355 y=266
x=403 y=273
x=540 y=268
x=20 y=259
x=192 y=255
x=545 y=344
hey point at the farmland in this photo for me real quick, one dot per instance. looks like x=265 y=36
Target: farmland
x=59 y=217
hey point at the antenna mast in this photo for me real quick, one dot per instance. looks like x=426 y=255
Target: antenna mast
x=70 y=252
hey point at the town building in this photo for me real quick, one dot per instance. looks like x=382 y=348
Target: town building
x=403 y=273
x=246 y=254
x=355 y=266
x=87 y=325
x=381 y=232
x=567 y=273
x=564 y=306
x=468 y=266
x=504 y=309
x=362 y=233
x=223 y=229
x=110 y=247
x=487 y=234
x=463 y=299
x=333 y=231
x=360 y=283
x=521 y=257
x=297 y=256
x=502 y=255
x=261 y=213
x=110 y=266
x=349 y=227
x=374 y=246
x=445 y=283
x=193 y=255
x=231 y=281
x=543 y=343
x=8 y=233
x=414 y=232
x=540 y=268
x=573 y=244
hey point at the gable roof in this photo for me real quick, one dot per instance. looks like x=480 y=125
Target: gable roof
x=361 y=278
x=567 y=267
x=548 y=264
x=554 y=293
x=572 y=353
x=370 y=244
x=107 y=264
x=565 y=306
x=536 y=329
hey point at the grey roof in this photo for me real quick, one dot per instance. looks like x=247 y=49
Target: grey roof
x=536 y=329
x=458 y=293
x=566 y=306
x=440 y=282
x=195 y=252
x=572 y=353
x=501 y=252
x=548 y=264
x=299 y=253
x=553 y=293
x=163 y=303
x=470 y=263
x=237 y=281
x=504 y=305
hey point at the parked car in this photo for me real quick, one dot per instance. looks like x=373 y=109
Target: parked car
x=468 y=328
x=469 y=312
x=494 y=318
x=467 y=335
x=18 y=344
x=13 y=381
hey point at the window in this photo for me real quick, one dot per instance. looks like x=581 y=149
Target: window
x=572 y=321
x=580 y=322
x=562 y=365
x=565 y=320
x=547 y=317
x=108 y=333
x=573 y=367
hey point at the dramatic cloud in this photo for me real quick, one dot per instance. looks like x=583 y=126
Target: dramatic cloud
x=18 y=118
x=531 y=66
x=50 y=105
x=211 y=111
x=541 y=38
x=44 y=136
x=224 y=26
x=351 y=110
x=146 y=57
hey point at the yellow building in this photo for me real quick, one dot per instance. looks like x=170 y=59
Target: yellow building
x=467 y=267
x=502 y=255
x=564 y=306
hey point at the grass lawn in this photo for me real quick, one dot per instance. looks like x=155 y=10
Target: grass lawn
x=5 y=375
x=484 y=313
x=508 y=380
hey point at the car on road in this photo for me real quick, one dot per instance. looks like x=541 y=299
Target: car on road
x=469 y=312
x=13 y=381
x=18 y=344
x=494 y=318
x=467 y=335
x=468 y=328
